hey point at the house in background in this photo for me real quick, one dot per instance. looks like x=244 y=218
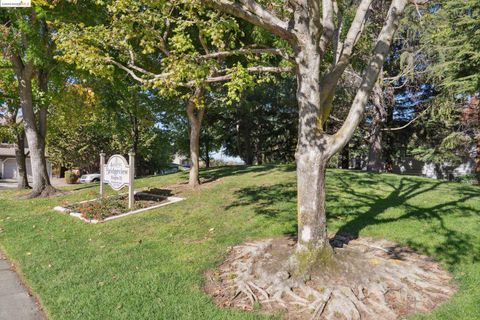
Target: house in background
x=8 y=163
x=182 y=160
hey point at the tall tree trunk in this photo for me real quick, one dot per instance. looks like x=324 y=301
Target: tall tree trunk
x=310 y=32
x=248 y=147
x=477 y=160
x=246 y=137
x=380 y=115
x=195 y=117
x=34 y=131
x=22 y=177
x=135 y=138
x=315 y=147
x=207 y=152
x=345 y=157
x=311 y=158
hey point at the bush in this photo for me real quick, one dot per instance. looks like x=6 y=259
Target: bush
x=71 y=177
x=472 y=178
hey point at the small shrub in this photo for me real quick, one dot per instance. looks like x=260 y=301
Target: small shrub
x=472 y=178
x=71 y=177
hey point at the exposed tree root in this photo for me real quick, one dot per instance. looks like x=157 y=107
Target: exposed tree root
x=46 y=192
x=371 y=279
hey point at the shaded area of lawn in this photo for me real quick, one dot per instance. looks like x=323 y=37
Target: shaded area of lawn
x=150 y=266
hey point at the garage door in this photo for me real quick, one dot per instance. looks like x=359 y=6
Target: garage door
x=9 y=169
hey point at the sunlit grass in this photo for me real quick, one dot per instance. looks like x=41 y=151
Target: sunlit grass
x=150 y=266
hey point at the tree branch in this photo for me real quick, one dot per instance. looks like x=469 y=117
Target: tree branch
x=348 y=45
x=330 y=80
x=128 y=69
x=222 y=54
x=227 y=77
x=410 y=122
x=224 y=76
x=251 y=11
x=328 y=25
x=370 y=76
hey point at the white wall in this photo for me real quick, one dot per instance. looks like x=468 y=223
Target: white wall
x=10 y=164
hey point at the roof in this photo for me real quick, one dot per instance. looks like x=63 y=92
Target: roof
x=8 y=150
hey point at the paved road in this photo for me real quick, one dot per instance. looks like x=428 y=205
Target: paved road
x=7 y=184
x=15 y=302
x=11 y=184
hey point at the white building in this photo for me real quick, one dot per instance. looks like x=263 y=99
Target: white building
x=8 y=163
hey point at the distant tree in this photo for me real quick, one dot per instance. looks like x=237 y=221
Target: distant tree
x=452 y=42
x=11 y=126
x=262 y=126
x=25 y=42
x=114 y=117
x=448 y=133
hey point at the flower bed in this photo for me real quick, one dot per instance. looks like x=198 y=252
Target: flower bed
x=99 y=210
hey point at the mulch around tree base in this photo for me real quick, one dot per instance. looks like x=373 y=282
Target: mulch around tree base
x=368 y=279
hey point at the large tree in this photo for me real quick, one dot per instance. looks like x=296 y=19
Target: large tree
x=11 y=126
x=26 y=44
x=182 y=53
x=323 y=51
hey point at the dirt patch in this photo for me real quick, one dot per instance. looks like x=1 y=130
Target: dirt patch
x=180 y=188
x=101 y=209
x=369 y=279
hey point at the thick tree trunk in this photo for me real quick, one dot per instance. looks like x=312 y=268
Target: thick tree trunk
x=375 y=151
x=195 y=117
x=22 y=177
x=35 y=132
x=244 y=143
x=311 y=159
x=194 y=180
x=312 y=224
x=311 y=32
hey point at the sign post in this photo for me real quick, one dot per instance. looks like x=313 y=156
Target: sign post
x=102 y=173
x=131 y=177
x=118 y=173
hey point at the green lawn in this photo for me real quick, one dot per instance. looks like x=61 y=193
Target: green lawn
x=150 y=266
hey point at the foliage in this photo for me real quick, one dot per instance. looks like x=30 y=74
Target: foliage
x=452 y=40
x=161 y=42
x=91 y=116
x=262 y=126
x=444 y=136
x=71 y=177
x=9 y=104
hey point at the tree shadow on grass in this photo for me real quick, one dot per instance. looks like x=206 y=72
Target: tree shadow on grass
x=276 y=202
x=455 y=247
x=364 y=208
x=215 y=173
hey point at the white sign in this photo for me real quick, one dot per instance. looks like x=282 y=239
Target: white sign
x=116 y=172
x=15 y=3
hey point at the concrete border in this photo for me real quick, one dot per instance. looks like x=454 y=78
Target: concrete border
x=78 y=215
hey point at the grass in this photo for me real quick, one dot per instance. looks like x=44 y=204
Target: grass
x=150 y=266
